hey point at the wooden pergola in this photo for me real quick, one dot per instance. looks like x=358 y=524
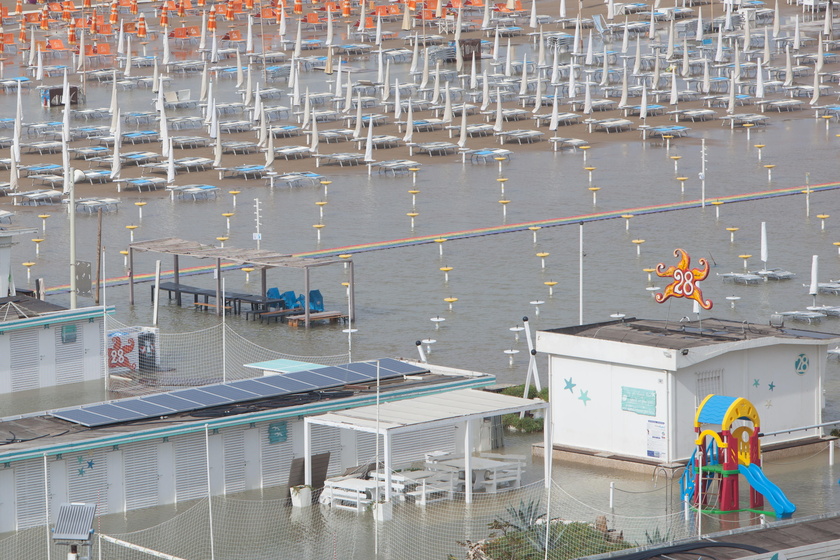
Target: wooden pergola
x=256 y=258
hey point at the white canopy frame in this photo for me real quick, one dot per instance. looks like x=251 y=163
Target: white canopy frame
x=423 y=413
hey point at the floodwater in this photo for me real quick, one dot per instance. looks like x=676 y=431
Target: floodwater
x=495 y=278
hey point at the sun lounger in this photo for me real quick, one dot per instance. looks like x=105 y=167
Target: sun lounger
x=296 y=179
x=195 y=192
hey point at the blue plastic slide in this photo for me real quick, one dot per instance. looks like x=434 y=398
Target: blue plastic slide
x=772 y=493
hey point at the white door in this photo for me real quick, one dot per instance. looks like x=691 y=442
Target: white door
x=58 y=486
x=116 y=481
x=7 y=501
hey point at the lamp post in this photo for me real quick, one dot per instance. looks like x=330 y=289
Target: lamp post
x=73 y=175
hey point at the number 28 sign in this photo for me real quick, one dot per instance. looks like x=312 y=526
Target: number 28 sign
x=685 y=279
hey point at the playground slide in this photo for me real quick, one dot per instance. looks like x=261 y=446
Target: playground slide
x=772 y=493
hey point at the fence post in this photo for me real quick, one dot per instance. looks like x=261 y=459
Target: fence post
x=612 y=499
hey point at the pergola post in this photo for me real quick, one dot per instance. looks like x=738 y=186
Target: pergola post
x=388 y=467
x=306 y=296
x=264 y=281
x=219 y=302
x=131 y=275
x=352 y=296
x=176 y=275
x=307 y=452
x=547 y=445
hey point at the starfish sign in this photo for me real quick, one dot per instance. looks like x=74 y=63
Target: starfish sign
x=685 y=279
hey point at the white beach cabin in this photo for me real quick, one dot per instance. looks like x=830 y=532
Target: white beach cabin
x=628 y=389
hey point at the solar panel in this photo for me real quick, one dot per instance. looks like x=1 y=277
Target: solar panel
x=186 y=400
x=256 y=387
x=115 y=412
x=146 y=408
x=228 y=392
x=401 y=368
x=287 y=384
x=201 y=396
x=171 y=401
x=83 y=417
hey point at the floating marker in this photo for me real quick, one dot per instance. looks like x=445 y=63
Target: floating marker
x=44 y=221
x=140 y=206
x=536 y=303
x=511 y=353
x=823 y=218
x=131 y=229
x=732 y=231
x=227 y=216
x=638 y=243
x=28 y=266
x=746 y=258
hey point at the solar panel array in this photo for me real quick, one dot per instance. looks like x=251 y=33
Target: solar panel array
x=208 y=396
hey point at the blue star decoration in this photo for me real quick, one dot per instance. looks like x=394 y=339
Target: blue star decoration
x=569 y=385
x=584 y=396
x=771 y=386
x=81 y=472
x=90 y=464
x=80 y=459
x=756 y=383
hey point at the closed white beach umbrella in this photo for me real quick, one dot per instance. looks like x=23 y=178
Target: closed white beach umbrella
x=116 y=161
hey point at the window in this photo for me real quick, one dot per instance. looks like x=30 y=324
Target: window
x=68 y=334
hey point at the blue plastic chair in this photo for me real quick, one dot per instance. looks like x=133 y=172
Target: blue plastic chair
x=316 y=301
x=290 y=299
x=273 y=293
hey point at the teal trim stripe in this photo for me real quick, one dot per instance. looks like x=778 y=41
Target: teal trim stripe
x=57 y=318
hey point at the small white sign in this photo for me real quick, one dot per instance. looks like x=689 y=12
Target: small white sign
x=257 y=236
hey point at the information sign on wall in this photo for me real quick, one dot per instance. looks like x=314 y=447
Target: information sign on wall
x=640 y=401
x=656 y=442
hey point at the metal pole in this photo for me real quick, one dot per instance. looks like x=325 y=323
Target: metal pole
x=703 y=173
x=47 y=504
x=71 y=207
x=224 y=339
x=306 y=296
x=580 y=278
x=131 y=275
x=209 y=491
x=156 y=293
x=220 y=302
x=352 y=292
x=807 y=195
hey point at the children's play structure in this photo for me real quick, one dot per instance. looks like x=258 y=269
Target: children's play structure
x=727 y=431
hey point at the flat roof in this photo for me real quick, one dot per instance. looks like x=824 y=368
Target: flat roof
x=36 y=434
x=21 y=306
x=425 y=412
x=686 y=334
